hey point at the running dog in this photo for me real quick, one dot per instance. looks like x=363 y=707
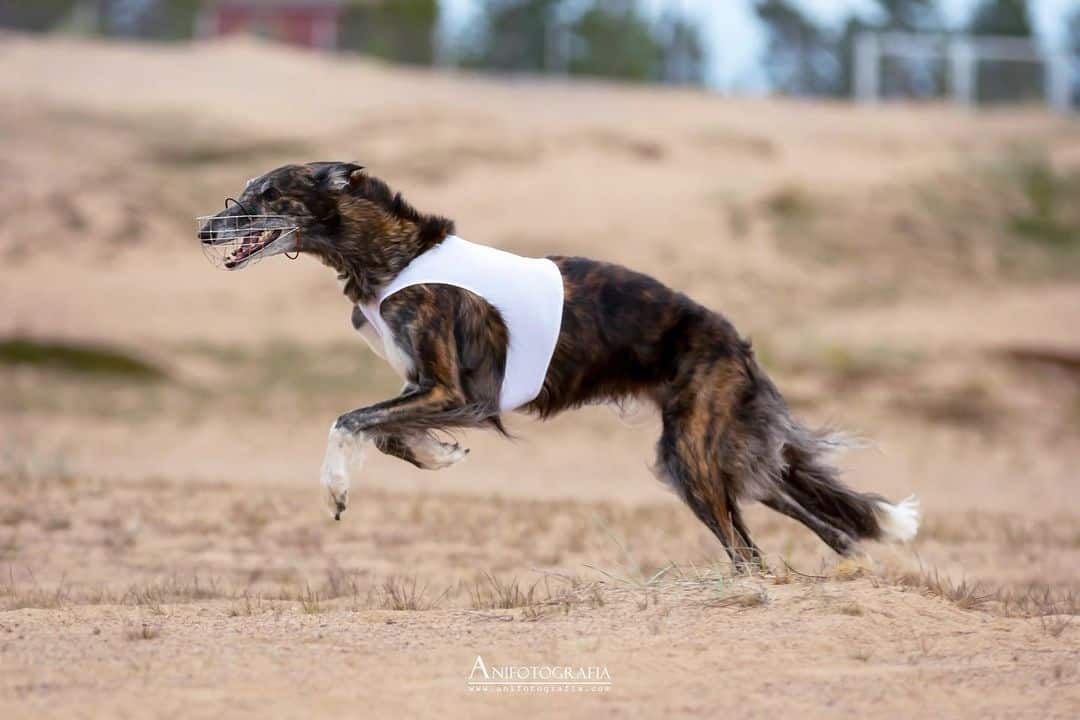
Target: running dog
x=475 y=332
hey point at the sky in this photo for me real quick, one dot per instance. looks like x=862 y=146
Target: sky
x=734 y=41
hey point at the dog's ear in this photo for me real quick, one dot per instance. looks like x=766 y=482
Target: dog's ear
x=337 y=175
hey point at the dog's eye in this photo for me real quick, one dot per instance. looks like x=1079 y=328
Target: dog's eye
x=271 y=194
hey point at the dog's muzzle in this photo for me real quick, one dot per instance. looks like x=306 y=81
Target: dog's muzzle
x=231 y=242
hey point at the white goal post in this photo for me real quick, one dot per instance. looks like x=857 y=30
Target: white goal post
x=961 y=54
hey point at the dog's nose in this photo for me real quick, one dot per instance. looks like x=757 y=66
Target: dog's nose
x=206 y=234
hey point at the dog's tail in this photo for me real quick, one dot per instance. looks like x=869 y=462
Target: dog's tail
x=809 y=481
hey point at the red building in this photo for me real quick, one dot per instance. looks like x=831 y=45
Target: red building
x=307 y=23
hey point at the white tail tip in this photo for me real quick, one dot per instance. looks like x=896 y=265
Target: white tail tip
x=899 y=523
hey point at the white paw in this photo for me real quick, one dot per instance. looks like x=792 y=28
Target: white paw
x=435 y=455
x=344 y=457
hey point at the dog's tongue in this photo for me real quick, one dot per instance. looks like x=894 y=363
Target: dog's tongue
x=251 y=245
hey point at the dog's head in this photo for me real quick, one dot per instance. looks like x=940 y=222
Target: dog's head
x=329 y=209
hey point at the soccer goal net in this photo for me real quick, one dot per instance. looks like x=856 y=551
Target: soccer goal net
x=969 y=69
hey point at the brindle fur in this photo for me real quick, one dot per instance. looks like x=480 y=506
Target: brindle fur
x=727 y=434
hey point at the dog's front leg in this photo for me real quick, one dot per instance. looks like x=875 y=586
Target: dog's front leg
x=413 y=413
x=422 y=450
x=345 y=453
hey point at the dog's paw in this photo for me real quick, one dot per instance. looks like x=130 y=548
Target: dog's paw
x=344 y=456
x=337 y=500
x=431 y=454
x=335 y=492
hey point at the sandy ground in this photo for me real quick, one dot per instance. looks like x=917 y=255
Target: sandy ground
x=162 y=545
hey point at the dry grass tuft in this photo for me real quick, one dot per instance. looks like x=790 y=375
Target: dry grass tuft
x=19 y=597
x=142 y=631
x=756 y=597
x=716 y=585
x=346 y=584
x=490 y=593
x=246 y=606
x=852 y=568
x=540 y=599
x=310 y=601
x=174 y=589
x=734 y=593
x=1055 y=625
x=151 y=596
x=407 y=594
x=1039 y=601
x=964 y=595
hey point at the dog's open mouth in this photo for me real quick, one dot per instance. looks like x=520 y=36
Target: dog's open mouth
x=249 y=245
x=234 y=241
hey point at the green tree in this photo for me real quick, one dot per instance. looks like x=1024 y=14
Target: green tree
x=801 y=58
x=912 y=15
x=605 y=38
x=615 y=41
x=399 y=30
x=519 y=36
x=148 y=19
x=38 y=16
x=1072 y=34
x=175 y=20
x=682 y=51
x=1072 y=46
x=1002 y=17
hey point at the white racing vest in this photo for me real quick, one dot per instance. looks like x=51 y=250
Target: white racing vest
x=527 y=292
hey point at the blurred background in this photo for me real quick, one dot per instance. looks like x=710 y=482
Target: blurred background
x=975 y=50
x=884 y=196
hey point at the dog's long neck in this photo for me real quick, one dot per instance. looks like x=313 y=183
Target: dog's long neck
x=372 y=248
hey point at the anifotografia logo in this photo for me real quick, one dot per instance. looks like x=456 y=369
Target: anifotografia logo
x=538 y=678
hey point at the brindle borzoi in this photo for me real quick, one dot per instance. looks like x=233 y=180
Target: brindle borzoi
x=727 y=433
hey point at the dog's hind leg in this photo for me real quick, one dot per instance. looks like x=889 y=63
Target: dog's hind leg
x=837 y=539
x=683 y=462
x=699 y=458
x=742 y=535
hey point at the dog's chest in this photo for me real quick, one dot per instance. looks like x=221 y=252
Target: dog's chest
x=372 y=339
x=385 y=347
